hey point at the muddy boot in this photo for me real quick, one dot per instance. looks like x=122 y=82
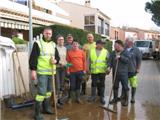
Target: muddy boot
x=133 y=92
x=115 y=99
x=124 y=102
x=92 y=98
x=78 y=97
x=47 y=106
x=38 y=115
x=83 y=91
x=102 y=101
x=122 y=95
x=72 y=97
x=59 y=106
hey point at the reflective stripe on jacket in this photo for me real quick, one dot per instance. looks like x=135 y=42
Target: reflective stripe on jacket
x=98 y=64
x=47 y=49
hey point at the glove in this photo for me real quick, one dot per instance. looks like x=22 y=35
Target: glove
x=68 y=64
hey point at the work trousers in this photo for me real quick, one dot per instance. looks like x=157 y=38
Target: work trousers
x=98 y=80
x=76 y=80
x=44 y=87
x=123 y=78
x=60 y=75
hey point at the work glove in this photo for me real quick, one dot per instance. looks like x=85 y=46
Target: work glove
x=68 y=64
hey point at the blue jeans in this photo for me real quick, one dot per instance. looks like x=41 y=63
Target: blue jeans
x=123 y=78
x=60 y=75
x=76 y=80
x=45 y=84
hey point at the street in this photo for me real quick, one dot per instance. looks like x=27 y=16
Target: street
x=147 y=106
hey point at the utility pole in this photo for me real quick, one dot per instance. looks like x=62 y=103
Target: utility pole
x=30 y=26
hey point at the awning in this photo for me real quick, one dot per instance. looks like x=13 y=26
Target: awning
x=14 y=24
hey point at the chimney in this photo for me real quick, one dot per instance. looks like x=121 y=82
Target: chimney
x=87 y=3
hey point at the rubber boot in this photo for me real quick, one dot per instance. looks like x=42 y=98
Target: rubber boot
x=78 y=97
x=102 y=101
x=38 y=108
x=83 y=91
x=133 y=92
x=71 y=97
x=115 y=99
x=92 y=98
x=98 y=90
x=47 y=106
x=122 y=95
x=124 y=102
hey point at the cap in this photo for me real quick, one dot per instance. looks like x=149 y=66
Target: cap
x=69 y=35
x=100 y=42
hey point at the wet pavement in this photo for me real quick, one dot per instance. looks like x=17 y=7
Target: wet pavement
x=147 y=106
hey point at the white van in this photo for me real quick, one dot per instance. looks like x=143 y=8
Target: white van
x=146 y=47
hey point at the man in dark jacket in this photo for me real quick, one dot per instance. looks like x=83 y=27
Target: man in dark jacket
x=135 y=63
x=119 y=63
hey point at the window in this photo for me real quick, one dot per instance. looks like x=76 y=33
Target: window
x=100 y=26
x=23 y=2
x=89 y=20
x=90 y=28
x=106 y=29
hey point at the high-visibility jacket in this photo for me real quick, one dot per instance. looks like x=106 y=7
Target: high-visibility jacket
x=98 y=64
x=47 y=50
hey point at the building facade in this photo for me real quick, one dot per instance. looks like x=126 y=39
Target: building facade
x=87 y=18
x=14 y=16
x=136 y=33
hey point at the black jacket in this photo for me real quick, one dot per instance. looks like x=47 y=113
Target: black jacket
x=123 y=63
x=33 y=60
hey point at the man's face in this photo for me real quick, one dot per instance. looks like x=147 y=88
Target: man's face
x=99 y=46
x=69 y=39
x=60 y=41
x=75 y=45
x=90 y=38
x=118 y=47
x=47 y=34
x=128 y=43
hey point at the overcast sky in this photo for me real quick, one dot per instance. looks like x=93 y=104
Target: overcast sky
x=124 y=12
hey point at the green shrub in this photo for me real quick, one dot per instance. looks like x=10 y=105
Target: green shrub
x=78 y=34
x=108 y=45
x=17 y=40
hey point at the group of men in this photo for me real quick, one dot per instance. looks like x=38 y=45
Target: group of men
x=49 y=59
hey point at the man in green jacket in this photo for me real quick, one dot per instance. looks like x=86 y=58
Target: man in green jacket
x=42 y=63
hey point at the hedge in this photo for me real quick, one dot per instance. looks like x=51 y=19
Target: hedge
x=17 y=40
x=78 y=34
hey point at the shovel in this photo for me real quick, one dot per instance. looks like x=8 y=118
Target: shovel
x=54 y=96
x=114 y=78
x=27 y=102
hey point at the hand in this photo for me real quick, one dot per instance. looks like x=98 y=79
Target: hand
x=33 y=75
x=108 y=71
x=68 y=73
x=53 y=60
x=137 y=71
x=62 y=65
x=84 y=72
x=117 y=57
x=88 y=72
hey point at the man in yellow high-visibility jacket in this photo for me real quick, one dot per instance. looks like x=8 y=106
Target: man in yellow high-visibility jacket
x=42 y=61
x=86 y=48
x=98 y=65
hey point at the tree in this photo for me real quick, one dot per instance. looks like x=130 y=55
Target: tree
x=153 y=8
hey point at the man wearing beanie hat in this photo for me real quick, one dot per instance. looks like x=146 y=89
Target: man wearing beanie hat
x=98 y=65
